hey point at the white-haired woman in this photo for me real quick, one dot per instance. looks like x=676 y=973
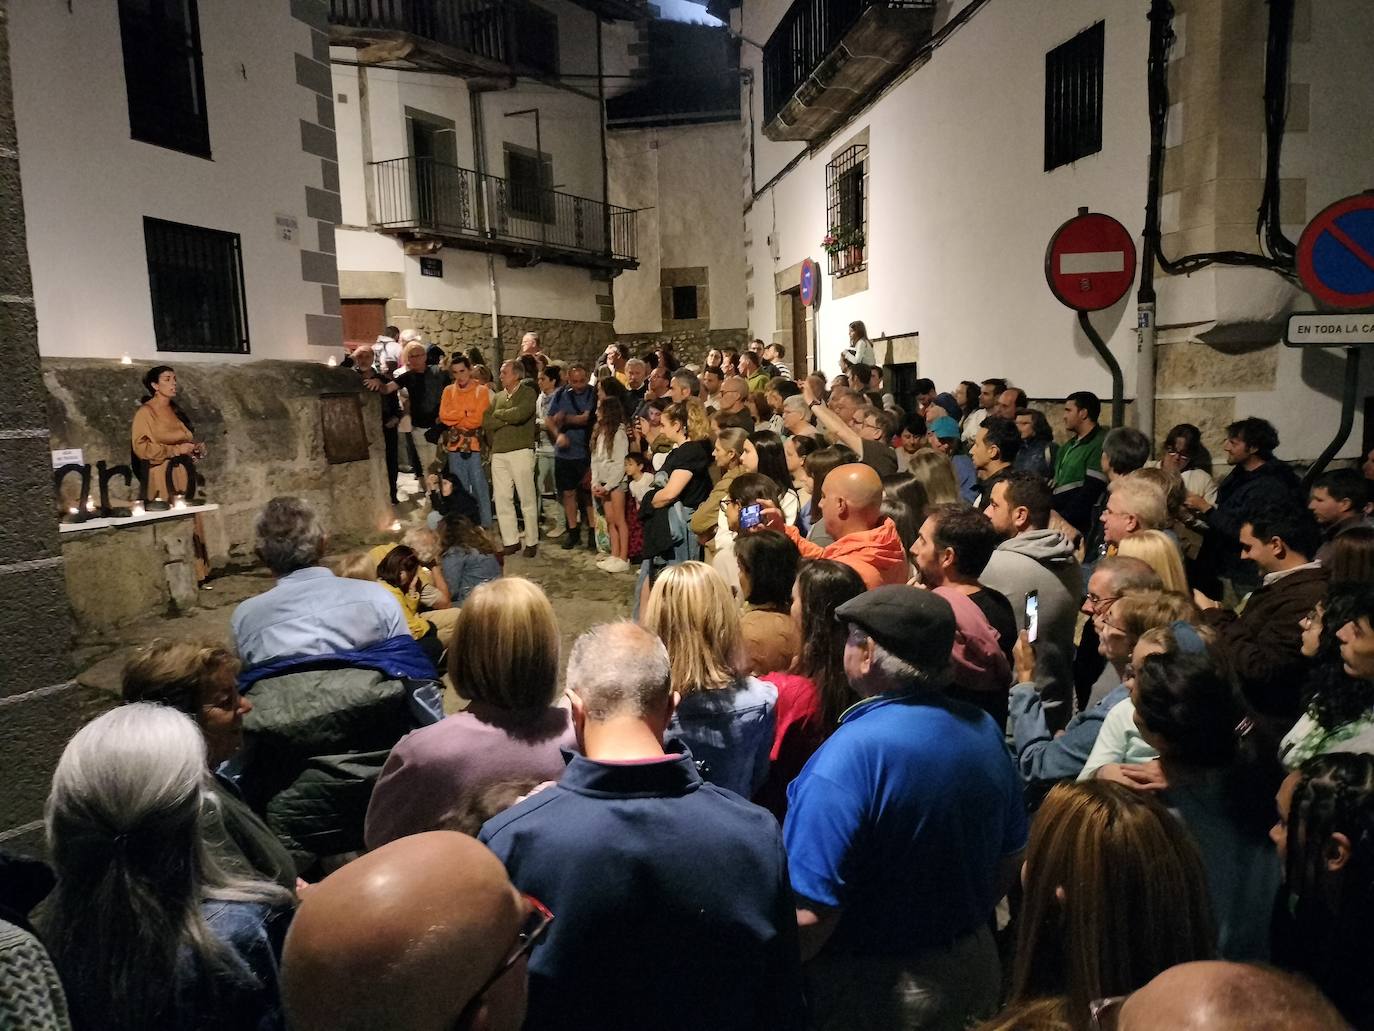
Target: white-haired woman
x=144 y=926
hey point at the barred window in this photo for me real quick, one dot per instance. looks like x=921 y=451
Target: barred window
x=163 y=74
x=195 y=278
x=1073 y=98
x=846 y=210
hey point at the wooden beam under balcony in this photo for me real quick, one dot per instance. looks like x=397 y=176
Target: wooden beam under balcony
x=467 y=38
x=829 y=57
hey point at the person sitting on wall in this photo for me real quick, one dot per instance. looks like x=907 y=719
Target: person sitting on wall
x=161 y=433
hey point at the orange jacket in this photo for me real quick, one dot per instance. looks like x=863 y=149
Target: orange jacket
x=876 y=555
x=462 y=408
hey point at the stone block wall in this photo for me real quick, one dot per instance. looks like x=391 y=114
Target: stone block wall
x=263 y=428
x=39 y=703
x=562 y=339
x=689 y=345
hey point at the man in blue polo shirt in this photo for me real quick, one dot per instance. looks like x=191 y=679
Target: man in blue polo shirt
x=673 y=903
x=903 y=831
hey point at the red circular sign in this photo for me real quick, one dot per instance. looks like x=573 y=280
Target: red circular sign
x=1336 y=253
x=1090 y=262
x=809 y=276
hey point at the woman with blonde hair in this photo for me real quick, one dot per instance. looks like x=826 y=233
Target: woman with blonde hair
x=503 y=659
x=724 y=717
x=1157 y=550
x=935 y=473
x=1115 y=893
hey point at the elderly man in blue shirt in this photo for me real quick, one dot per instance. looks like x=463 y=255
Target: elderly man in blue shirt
x=311 y=613
x=903 y=831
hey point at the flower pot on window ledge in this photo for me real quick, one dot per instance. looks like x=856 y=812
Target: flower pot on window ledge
x=855 y=256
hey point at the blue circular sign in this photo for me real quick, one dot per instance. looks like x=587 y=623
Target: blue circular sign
x=1336 y=253
x=808 y=282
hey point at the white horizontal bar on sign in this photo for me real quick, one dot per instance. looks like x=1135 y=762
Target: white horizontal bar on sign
x=1088 y=262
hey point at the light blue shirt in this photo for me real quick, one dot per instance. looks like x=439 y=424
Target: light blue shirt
x=313 y=612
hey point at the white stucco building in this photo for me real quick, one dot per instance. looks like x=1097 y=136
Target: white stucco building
x=954 y=177
x=473 y=173
x=180 y=189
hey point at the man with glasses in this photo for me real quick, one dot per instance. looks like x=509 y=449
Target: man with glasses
x=425 y=933
x=732 y=412
x=860 y=427
x=1094 y=676
x=673 y=902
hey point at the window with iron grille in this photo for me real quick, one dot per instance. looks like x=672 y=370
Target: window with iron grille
x=846 y=211
x=531 y=182
x=1073 y=98
x=536 y=38
x=163 y=74
x=684 y=302
x=195 y=277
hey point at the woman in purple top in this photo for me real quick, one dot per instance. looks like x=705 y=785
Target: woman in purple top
x=503 y=658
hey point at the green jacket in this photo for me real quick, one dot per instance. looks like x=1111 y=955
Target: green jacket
x=509 y=420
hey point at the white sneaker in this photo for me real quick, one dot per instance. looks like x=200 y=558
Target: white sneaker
x=605 y=563
x=616 y=565
x=554 y=532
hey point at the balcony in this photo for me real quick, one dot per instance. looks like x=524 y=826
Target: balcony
x=474 y=39
x=420 y=198
x=828 y=57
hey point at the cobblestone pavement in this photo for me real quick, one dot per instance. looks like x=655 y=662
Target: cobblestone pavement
x=582 y=596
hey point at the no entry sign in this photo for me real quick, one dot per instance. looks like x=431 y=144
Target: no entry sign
x=1336 y=253
x=808 y=282
x=1090 y=262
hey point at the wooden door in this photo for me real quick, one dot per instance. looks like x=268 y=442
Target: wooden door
x=363 y=321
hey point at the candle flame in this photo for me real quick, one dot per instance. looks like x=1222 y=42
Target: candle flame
x=124 y=359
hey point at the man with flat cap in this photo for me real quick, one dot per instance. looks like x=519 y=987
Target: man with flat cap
x=903 y=831
x=424 y=934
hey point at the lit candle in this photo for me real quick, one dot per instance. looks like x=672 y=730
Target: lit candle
x=137 y=508
x=72 y=511
x=124 y=359
x=332 y=362
x=396 y=526
x=179 y=502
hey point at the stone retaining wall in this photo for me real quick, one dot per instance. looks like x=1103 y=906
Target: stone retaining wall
x=562 y=339
x=263 y=427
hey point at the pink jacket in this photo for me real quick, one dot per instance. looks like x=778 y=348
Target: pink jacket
x=979 y=662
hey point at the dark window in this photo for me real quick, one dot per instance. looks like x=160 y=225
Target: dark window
x=846 y=210
x=162 y=72
x=684 y=302
x=536 y=38
x=531 y=181
x=195 y=277
x=1073 y=98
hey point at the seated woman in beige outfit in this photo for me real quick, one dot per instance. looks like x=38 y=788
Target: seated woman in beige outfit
x=161 y=432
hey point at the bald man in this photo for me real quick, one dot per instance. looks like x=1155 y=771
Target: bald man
x=864 y=538
x=1214 y=996
x=424 y=934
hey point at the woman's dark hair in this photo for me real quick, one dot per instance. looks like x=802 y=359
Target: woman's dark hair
x=529 y=368
x=904 y=517
x=752 y=488
x=399 y=567
x=825 y=585
x=969 y=402
x=804 y=445
x=1352 y=556
x=1185 y=700
x=1334 y=698
x=818 y=466
x=1040 y=426
x=770 y=560
x=615 y=390
x=1193 y=437
x=610 y=419
x=785 y=387
x=1328 y=938
x=150 y=379
x=456 y=531
x=772 y=458
x=907 y=488
x=640 y=457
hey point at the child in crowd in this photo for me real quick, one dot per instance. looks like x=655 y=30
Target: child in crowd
x=639 y=478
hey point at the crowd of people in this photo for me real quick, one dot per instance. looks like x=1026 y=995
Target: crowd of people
x=923 y=719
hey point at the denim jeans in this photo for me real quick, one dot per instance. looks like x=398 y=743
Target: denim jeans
x=466 y=467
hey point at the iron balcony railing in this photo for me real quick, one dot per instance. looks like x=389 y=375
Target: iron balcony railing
x=807 y=34
x=475 y=26
x=426 y=195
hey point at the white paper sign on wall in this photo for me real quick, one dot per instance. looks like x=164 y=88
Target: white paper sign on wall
x=67 y=456
x=287 y=227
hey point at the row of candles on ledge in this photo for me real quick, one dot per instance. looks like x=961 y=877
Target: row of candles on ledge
x=92 y=510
